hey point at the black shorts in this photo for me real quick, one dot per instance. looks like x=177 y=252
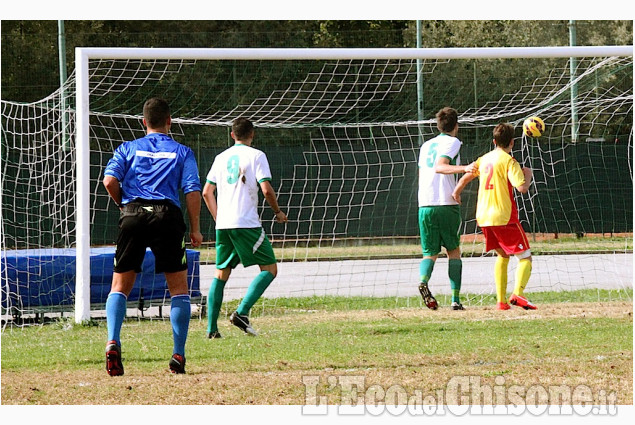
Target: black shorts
x=155 y=224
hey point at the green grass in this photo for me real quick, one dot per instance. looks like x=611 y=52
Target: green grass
x=355 y=343
x=587 y=339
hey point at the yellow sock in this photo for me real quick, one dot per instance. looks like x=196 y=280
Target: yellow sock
x=523 y=271
x=500 y=277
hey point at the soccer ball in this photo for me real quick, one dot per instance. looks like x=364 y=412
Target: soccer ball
x=533 y=127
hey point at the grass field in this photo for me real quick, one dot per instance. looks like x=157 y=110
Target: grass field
x=585 y=342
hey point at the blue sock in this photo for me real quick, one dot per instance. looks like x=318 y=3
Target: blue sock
x=115 y=313
x=180 y=311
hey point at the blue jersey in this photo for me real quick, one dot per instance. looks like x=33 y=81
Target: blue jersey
x=154 y=167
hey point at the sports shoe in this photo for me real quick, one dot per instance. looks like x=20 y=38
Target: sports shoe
x=457 y=306
x=214 y=335
x=242 y=322
x=428 y=299
x=177 y=363
x=502 y=306
x=523 y=302
x=114 y=367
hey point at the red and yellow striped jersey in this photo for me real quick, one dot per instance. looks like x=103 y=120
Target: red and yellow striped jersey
x=498 y=174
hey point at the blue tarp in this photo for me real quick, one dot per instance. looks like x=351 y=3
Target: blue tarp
x=46 y=277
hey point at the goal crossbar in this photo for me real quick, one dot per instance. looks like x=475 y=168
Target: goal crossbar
x=353 y=53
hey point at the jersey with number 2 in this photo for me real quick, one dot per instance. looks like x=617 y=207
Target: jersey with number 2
x=498 y=174
x=237 y=173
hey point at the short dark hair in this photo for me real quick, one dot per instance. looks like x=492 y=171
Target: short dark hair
x=242 y=128
x=156 y=112
x=447 y=119
x=503 y=134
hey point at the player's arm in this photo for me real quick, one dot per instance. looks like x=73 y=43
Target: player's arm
x=443 y=166
x=524 y=188
x=270 y=196
x=193 y=204
x=210 y=198
x=463 y=181
x=113 y=188
x=114 y=174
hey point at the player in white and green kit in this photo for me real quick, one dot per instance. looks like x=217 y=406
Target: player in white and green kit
x=236 y=175
x=439 y=215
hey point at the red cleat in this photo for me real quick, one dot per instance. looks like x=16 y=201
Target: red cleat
x=114 y=367
x=177 y=364
x=523 y=302
x=502 y=306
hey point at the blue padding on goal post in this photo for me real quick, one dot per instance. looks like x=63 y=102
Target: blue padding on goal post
x=46 y=277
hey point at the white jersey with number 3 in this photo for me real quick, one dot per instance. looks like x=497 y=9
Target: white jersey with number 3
x=434 y=188
x=237 y=173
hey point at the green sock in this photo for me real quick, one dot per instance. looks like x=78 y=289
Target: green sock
x=214 y=302
x=455 y=267
x=255 y=290
x=425 y=269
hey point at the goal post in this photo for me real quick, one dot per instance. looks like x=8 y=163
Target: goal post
x=82 y=206
x=346 y=123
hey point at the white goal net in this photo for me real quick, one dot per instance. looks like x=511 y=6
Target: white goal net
x=342 y=136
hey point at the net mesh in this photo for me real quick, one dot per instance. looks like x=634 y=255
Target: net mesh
x=342 y=138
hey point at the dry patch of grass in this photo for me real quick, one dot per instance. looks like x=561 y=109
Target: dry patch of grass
x=417 y=349
x=618 y=309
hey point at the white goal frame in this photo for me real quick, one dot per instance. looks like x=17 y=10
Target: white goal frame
x=82 y=143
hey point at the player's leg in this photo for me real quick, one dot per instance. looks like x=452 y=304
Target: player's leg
x=131 y=246
x=425 y=272
x=450 y=225
x=261 y=282
x=492 y=242
x=455 y=273
x=513 y=240
x=257 y=287
x=253 y=247
x=122 y=284
x=226 y=259
x=523 y=272
x=500 y=278
x=430 y=247
x=215 y=301
x=167 y=242
x=116 y=303
x=180 y=313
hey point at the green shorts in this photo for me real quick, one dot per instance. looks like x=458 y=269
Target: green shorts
x=246 y=246
x=439 y=226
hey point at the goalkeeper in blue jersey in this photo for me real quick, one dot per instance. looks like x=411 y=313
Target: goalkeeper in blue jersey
x=236 y=175
x=143 y=178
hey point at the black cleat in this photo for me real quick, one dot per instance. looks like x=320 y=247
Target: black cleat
x=457 y=306
x=428 y=299
x=177 y=364
x=114 y=367
x=242 y=322
x=214 y=335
